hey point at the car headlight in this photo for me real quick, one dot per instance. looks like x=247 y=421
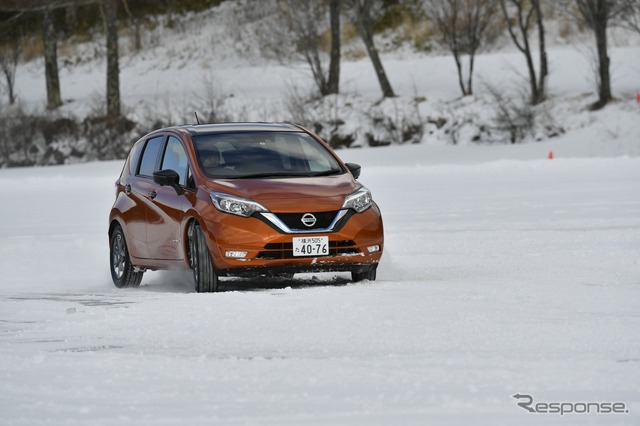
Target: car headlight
x=359 y=200
x=236 y=205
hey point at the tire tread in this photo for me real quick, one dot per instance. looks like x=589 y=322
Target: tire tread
x=206 y=277
x=130 y=278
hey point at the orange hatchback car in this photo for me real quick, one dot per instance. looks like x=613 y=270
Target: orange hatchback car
x=240 y=200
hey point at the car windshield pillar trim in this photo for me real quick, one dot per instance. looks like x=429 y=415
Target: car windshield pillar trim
x=275 y=220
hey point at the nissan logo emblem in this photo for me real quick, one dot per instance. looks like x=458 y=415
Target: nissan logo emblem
x=308 y=220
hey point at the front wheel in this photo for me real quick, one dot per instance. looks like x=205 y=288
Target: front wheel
x=122 y=271
x=368 y=274
x=204 y=273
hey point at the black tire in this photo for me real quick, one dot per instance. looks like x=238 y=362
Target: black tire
x=204 y=274
x=122 y=271
x=285 y=275
x=369 y=274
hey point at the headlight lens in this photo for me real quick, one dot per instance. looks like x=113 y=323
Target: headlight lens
x=236 y=205
x=359 y=200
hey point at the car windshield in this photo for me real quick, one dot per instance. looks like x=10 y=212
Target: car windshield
x=248 y=155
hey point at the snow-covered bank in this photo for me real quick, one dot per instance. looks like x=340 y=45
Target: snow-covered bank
x=499 y=277
x=215 y=63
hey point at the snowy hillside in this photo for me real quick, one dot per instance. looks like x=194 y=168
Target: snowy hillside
x=219 y=64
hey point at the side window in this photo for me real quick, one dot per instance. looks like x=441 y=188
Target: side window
x=175 y=158
x=191 y=183
x=150 y=156
x=134 y=158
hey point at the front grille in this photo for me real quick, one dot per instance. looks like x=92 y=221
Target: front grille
x=274 y=251
x=291 y=223
x=294 y=220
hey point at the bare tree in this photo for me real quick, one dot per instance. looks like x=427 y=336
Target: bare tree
x=597 y=14
x=362 y=10
x=519 y=15
x=135 y=23
x=512 y=116
x=305 y=17
x=46 y=7
x=113 y=68
x=70 y=20
x=334 y=64
x=542 y=46
x=54 y=100
x=463 y=26
x=9 y=56
x=631 y=17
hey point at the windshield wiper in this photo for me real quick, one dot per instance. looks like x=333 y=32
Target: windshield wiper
x=268 y=175
x=287 y=174
x=325 y=173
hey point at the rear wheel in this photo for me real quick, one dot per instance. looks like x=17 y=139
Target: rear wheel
x=122 y=271
x=368 y=274
x=204 y=273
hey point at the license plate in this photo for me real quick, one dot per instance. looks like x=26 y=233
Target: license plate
x=311 y=246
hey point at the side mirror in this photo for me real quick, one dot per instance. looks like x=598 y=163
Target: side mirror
x=168 y=178
x=354 y=169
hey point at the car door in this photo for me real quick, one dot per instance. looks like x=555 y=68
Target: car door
x=138 y=188
x=167 y=207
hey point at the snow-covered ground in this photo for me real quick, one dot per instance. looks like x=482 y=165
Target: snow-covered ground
x=504 y=272
x=516 y=275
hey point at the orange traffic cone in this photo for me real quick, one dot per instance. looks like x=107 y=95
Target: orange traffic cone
x=550 y=155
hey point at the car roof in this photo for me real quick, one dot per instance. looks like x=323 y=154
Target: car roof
x=240 y=127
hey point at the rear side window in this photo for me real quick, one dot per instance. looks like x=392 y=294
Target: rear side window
x=150 y=156
x=175 y=158
x=134 y=158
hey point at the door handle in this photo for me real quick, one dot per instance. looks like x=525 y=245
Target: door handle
x=127 y=189
x=153 y=194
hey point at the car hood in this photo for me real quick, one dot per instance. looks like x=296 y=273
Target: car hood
x=313 y=194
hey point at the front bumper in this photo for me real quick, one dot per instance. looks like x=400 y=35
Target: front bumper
x=269 y=250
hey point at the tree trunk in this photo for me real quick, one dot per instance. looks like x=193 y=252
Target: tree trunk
x=8 y=63
x=544 y=66
x=312 y=55
x=113 y=69
x=136 y=25
x=533 y=80
x=524 y=15
x=10 y=79
x=596 y=14
x=334 y=65
x=456 y=58
x=70 y=20
x=472 y=57
x=366 y=33
x=604 y=87
x=54 y=99
x=526 y=50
